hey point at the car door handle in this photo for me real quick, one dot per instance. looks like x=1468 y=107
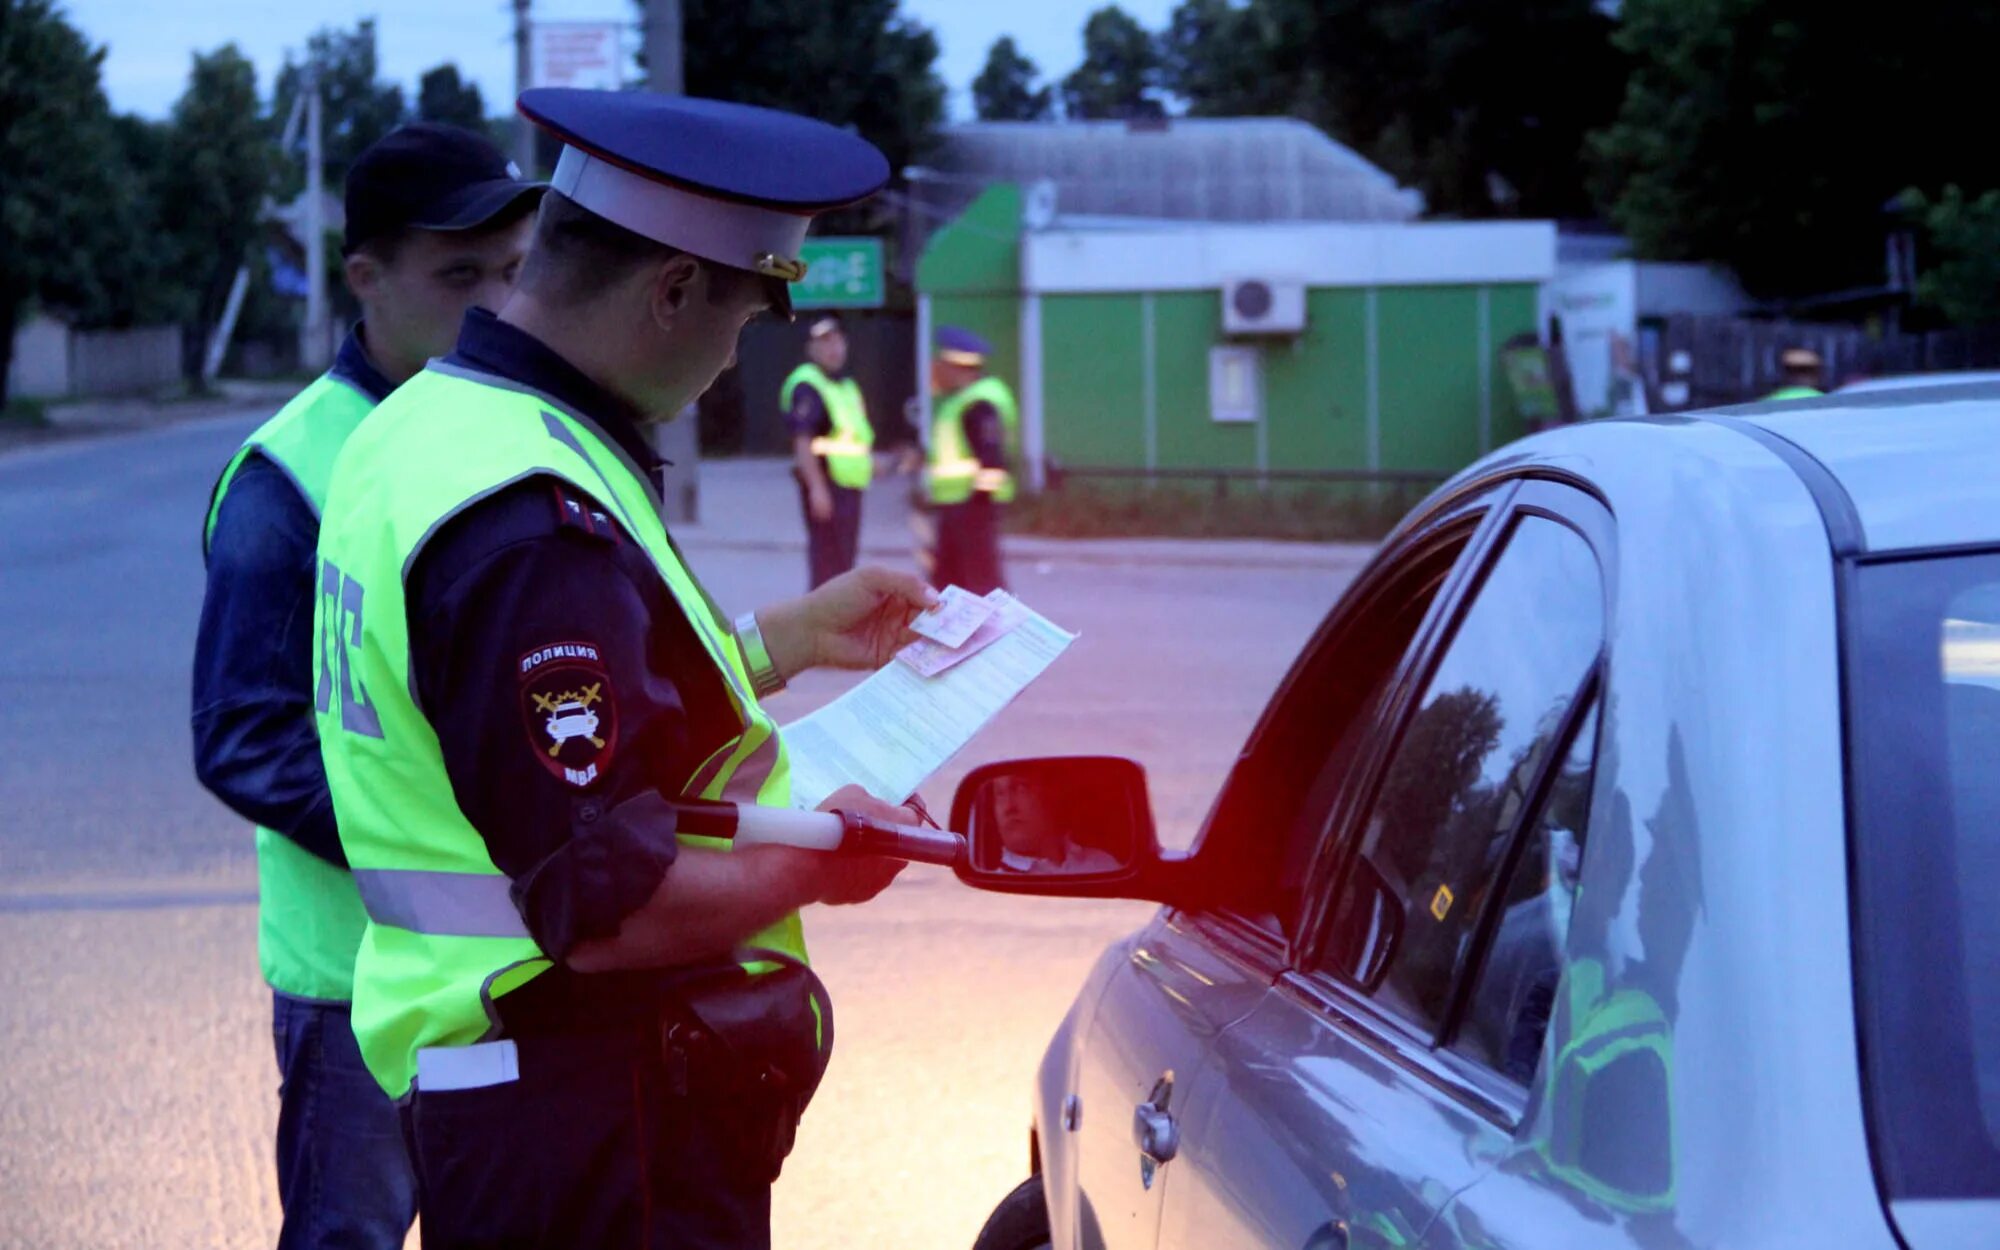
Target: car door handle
x=1155 y=1132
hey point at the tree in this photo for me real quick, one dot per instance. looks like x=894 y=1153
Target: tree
x=145 y=283
x=59 y=169
x=1120 y=69
x=442 y=96
x=1770 y=134
x=1962 y=235
x=855 y=63
x=1436 y=770
x=1218 y=57
x=1485 y=108
x=356 y=108
x=218 y=171
x=1005 y=90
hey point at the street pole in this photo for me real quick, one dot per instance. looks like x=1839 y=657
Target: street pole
x=678 y=440
x=218 y=342
x=524 y=133
x=663 y=48
x=314 y=349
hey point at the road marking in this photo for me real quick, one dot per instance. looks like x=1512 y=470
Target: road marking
x=129 y=900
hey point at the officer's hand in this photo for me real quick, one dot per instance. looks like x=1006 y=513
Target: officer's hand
x=820 y=499
x=839 y=880
x=858 y=620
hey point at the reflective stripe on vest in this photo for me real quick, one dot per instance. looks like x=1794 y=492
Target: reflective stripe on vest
x=449 y=904
x=309 y=917
x=444 y=941
x=954 y=473
x=849 y=450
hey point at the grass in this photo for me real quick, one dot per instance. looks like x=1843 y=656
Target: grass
x=1295 y=511
x=24 y=414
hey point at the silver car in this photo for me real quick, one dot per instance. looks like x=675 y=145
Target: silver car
x=1619 y=866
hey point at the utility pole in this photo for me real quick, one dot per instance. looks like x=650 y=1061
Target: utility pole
x=678 y=440
x=225 y=329
x=524 y=132
x=314 y=350
x=663 y=48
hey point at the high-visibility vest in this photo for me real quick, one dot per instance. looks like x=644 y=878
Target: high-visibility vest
x=309 y=918
x=954 y=473
x=444 y=940
x=849 y=449
x=1796 y=392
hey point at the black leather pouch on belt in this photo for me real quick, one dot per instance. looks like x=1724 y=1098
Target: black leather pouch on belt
x=749 y=1053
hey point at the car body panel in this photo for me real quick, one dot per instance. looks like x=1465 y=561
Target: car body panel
x=1710 y=934
x=1715 y=871
x=1056 y=1082
x=1162 y=1011
x=1918 y=381
x=1300 y=1129
x=1932 y=438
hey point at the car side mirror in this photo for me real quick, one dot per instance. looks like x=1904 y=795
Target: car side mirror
x=1367 y=925
x=1074 y=825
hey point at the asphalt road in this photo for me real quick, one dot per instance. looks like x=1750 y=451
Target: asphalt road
x=137 y=1088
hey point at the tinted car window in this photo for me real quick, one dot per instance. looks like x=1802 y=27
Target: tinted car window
x=1325 y=723
x=1511 y=1003
x=1433 y=841
x=1924 y=674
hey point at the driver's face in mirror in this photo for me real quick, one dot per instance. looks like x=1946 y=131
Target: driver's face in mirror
x=1030 y=823
x=1045 y=826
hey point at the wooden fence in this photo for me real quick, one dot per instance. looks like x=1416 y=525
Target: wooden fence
x=1732 y=360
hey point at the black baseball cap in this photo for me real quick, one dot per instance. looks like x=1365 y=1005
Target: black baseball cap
x=429 y=176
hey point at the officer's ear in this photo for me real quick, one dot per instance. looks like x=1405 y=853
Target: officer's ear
x=363 y=272
x=673 y=288
x=366 y=265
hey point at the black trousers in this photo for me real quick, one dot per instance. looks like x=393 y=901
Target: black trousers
x=597 y=1144
x=832 y=545
x=968 y=546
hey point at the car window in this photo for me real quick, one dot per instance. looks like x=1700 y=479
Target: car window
x=1326 y=719
x=1512 y=1000
x=1924 y=683
x=1433 y=841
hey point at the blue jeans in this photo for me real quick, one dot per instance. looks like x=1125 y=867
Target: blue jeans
x=344 y=1177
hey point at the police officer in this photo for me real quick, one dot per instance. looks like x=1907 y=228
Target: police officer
x=974 y=442
x=1802 y=367
x=437 y=221
x=833 y=449
x=603 y=1032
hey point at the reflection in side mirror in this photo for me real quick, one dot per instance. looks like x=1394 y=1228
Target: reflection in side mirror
x=1081 y=817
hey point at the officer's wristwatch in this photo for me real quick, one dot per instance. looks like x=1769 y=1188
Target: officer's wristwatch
x=765 y=679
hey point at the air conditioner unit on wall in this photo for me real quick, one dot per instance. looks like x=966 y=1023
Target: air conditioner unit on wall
x=1263 y=306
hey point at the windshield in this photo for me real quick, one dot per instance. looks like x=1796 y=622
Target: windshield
x=1924 y=674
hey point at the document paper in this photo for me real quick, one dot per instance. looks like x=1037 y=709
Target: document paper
x=891 y=732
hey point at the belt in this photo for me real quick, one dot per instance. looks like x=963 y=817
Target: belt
x=485 y=1064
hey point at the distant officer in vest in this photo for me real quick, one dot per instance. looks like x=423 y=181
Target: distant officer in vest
x=833 y=449
x=602 y=1032
x=1802 y=367
x=437 y=221
x=974 y=447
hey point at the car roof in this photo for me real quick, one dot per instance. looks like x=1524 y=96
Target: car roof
x=1921 y=466
x=1904 y=381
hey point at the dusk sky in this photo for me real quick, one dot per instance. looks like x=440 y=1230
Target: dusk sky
x=150 y=43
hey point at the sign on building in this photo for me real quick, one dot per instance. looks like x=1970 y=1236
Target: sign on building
x=591 y=55
x=840 y=273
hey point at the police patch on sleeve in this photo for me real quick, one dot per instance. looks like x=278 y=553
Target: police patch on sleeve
x=571 y=711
